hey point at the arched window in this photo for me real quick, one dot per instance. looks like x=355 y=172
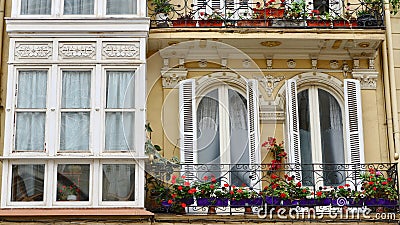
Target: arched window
x=323 y=131
x=219 y=126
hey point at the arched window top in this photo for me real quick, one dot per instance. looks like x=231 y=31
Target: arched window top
x=208 y=83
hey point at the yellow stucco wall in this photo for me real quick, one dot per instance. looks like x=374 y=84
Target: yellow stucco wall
x=165 y=118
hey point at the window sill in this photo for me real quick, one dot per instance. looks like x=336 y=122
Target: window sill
x=139 y=214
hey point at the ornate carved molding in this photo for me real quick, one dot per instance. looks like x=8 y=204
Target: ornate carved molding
x=171 y=78
x=121 y=50
x=367 y=78
x=272 y=117
x=78 y=51
x=33 y=50
x=269 y=82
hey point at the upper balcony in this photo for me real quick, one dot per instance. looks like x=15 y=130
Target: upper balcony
x=324 y=14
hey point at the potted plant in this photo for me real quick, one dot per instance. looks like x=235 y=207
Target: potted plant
x=319 y=20
x=161 y=9
x=295 y=15
x=67 y=192
x=210 y=20
x=248 y=19
x=184 y=21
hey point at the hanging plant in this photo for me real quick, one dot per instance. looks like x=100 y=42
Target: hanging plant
x=278 y=154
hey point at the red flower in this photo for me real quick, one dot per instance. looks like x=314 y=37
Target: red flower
x=374 y=188
x=233 y=186
x=187 y=184
x=371 y=183
x=180 y=188
x=274 y=176
x=170 y=201
x=183 y=205
x=315 y=11
x=244 y=185
x=341 y=187
x=213 y=180
x=240 y=191
x=183 y=176
x=384 y=183
x=304 y=190
x=319 y=193
x=173 y=181
x=283 y=195
x=389 y=179
x=232 y=192
x=298 y=184
x=347 y=185
x=290 y=178
x=173 y=177
x=192 y=191
x=205 y=178
x=212 y=186
x=173 y=195
x=264 y=144
x=226 y=185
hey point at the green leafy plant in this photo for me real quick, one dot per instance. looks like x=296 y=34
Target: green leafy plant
x=376 y=185
x=278 y=153
x=162 y=6
x=296 y=10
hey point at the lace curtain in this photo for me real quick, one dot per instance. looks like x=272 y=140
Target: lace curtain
x=120 y=123
x=121 y=7
x=35 y=7
x=30 y=126
x=118 y=182
x=75 y=125
x=78 y=7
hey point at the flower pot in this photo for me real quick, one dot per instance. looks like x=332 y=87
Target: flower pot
x=165 y=204
x=210 y=23
x=188 y=201
x=239 y=203
x=323 y=202
x=272 y=200
x=221 y=202
x=340 y=202
x=318 y=23
x=72 y=198
x=253 y=23
x=248 y=210
x=287 y=23
x=286 y=202
x=306 y=202
x=203 y=202
x=344 y=23
x=374 y=202
x=211 y=210
x=162 y=20
x=269 y=13
x=184 y=23
x=257 y=202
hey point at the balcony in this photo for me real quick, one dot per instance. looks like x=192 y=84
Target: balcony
x=228 y=189
x=329 y=14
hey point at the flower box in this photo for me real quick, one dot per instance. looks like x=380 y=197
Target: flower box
x=272 y=200
x=318 y=23
x=219 y=202
x=184 y=23
x=344 y=23
x=210 y=23
x=253 y=23
x=269 y=13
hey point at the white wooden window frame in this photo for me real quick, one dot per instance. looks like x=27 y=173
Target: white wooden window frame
x=90 y=110
x=99 y=169
x=57 y=10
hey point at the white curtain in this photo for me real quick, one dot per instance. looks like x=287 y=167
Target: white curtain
x=121 y=7
x=75 y=125
x=35 y=7
x=118 y=182
x=78 y=7
x=30 y=126
x=120 y=125
x=239 y=142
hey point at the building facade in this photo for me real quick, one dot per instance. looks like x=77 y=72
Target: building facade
x=81 y=79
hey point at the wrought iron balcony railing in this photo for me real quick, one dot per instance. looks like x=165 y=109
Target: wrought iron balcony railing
x=233 y=188
x=331 y=14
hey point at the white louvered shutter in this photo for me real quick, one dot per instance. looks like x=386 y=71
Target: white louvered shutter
x=188 y=126
x=354 y=127
x=254 y=130
x=292 y=119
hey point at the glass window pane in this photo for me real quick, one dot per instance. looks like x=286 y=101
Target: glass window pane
x=120 y=131
x=78 y=7
x=35 y=7
x=73 y=182
x=76 y=89
x=32 y=88
x=239 y=143
x=330 y=118
x=27 y=183
x=305 y=137
x=121 y=7
x=30 y=127
x=120 y=89
x=75 y=131
x=118 y=182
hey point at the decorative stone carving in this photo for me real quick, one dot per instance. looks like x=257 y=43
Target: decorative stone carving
x=269 y=82
x=79 y=51
x=203 y=63
x=367 y=78
x=371 y=63
x=269 y=64
x=272 y=117
x=224 y=62
x=356 y=63
x=314 y=63
x=346 y=69
x=291 y=64
x=171 y=78
x=334 y=64
x=121 y=50
x=246 y=63
x=33 y=50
